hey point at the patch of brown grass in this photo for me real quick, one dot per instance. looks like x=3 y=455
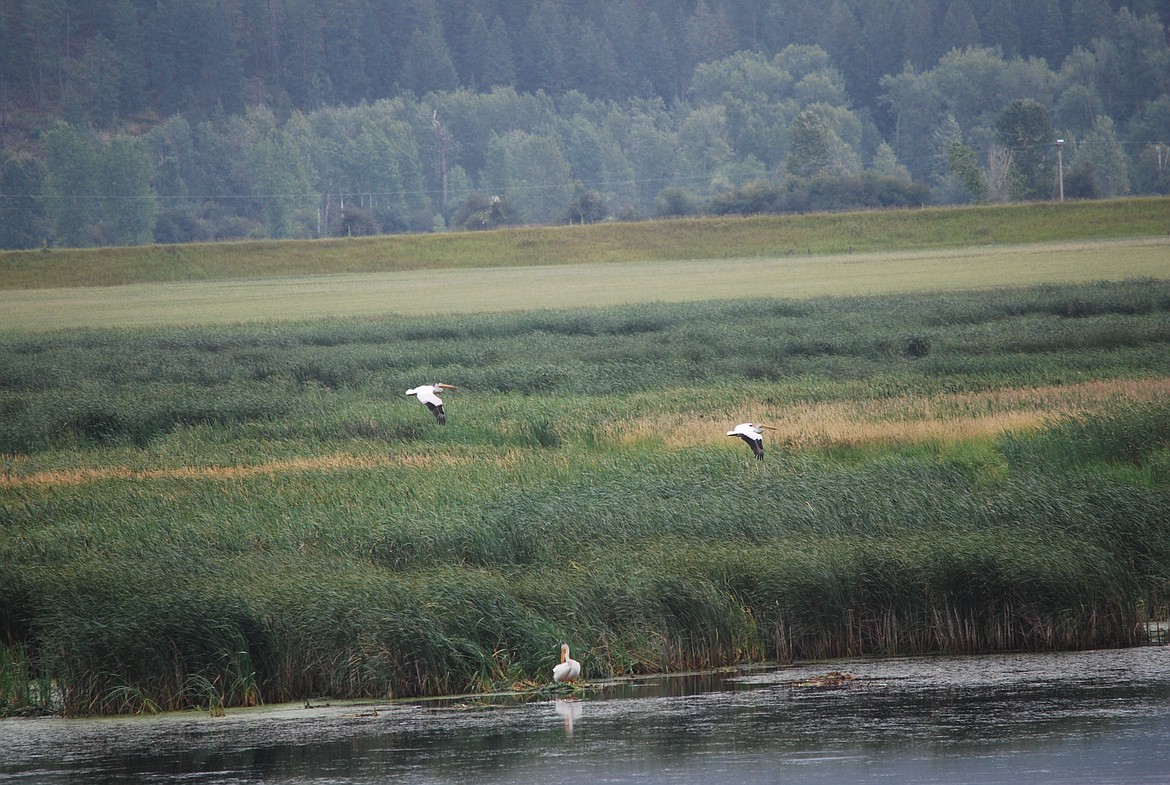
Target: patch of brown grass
x=913 y=419
x=323 y=463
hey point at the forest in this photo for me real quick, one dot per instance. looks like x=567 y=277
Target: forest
x=127 y=122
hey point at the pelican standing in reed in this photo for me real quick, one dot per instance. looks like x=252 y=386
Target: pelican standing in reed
x=429 y=395
x=753 y=434
x=568 y=669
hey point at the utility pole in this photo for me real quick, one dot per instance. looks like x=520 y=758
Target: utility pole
x=1060 y=166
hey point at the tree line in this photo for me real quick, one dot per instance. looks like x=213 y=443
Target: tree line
x=135 y=121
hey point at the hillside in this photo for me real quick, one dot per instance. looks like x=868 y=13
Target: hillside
x=125 y=122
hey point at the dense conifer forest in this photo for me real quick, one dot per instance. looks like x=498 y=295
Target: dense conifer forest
x=138 y=121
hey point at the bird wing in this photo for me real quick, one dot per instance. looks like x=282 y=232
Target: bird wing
x=426 y=394
x=437 y=410
x=753 y=441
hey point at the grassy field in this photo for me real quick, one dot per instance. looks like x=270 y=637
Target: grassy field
x=767 y=237
x=196 y=514
x=443 y=292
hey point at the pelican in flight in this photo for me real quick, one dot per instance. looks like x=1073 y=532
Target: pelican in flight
x=429 y=394
x=753 y=434
x=568 y=669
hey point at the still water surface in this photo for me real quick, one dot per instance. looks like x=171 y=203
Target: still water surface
x=1086 y=717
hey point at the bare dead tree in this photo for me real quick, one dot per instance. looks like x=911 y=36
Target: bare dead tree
x=442 y=141
x=999 y=173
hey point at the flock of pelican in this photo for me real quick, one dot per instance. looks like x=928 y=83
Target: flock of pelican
x=568 y=669
x=428 y=394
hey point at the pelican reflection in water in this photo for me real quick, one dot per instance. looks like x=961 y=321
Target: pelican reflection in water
x=569 y=710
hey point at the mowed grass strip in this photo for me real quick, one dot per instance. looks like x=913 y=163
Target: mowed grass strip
x=500 y=289
x=661 y=240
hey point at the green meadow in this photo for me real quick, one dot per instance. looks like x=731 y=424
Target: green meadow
x=230 y=502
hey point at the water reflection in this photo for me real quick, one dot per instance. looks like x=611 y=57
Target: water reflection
x=1091 y=717
x=569 y=709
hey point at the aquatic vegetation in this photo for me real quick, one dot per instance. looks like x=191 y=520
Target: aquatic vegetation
x=225 y=516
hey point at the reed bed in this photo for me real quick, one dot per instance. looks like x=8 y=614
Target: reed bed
x=223 y=516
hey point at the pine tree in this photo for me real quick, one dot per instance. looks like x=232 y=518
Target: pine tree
x=708 y=35
x=427 y=65
x=959 y=30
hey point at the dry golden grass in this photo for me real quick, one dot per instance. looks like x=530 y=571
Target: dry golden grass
x=908 y=420
x=81 y=476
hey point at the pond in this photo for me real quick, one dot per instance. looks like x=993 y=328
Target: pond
x=1081 y=717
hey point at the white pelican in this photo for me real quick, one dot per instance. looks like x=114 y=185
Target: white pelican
x=753 y=434
x=429 y=394
x=568 y=669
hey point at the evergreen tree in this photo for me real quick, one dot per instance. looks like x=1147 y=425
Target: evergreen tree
x=595 y=61
x=622 y=22
x=38 y=41
x=959 y=30
x=658 y=60
x=347 y=28
x=1047 y=37
x=885 y=164
x=475 y=52
x=1088 y=19
x=541 y=64
x=427 y=65
x=308 y=82
x=498 y=67
x=841 y=36
x=1002 y=26
x=884 y=26
x=97 y=79
x=921 y=35
x=708 y=35
x=130 y=45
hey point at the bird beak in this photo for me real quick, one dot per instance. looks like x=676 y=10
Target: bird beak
x=769 y=427
x=447 y=386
